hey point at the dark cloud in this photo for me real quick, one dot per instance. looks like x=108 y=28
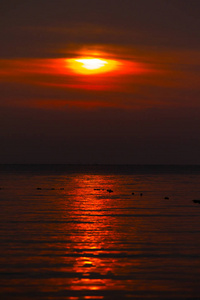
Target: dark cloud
x=41 y=28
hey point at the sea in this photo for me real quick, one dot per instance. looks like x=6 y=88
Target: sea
x=99 y=232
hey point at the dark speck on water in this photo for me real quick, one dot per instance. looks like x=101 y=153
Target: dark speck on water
x=196 y=201
x=81 y=244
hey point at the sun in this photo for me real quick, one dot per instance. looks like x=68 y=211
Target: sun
x=91 y=65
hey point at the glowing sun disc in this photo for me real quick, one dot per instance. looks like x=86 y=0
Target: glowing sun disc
x=91 y=65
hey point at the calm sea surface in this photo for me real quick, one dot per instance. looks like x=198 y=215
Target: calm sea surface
x=64 y=236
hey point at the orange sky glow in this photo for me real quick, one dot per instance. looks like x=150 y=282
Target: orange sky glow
x=62 y=77
x=99 y=78
x=89 y=71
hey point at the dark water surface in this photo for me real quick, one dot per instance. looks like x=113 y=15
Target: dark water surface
x=64 y=236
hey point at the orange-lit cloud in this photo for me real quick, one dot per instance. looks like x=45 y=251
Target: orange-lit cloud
x=89 y=70
x=97 y=77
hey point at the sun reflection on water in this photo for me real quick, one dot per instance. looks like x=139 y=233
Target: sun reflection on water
x=92 y=232
x=97 y=236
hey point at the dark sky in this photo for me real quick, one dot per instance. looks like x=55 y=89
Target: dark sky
x=145 y=112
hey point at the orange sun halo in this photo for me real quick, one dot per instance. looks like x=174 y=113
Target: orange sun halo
x=91 y=65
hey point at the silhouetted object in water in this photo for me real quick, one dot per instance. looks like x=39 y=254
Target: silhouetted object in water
x=88 y=265
x=52 y=189
x=61 y=188
x=110 y=274
x=196 y=201
x=110 y=191
x=141 y=194
x=96 y=189
x=38 y=188
x=166 y=198
x=133 y=193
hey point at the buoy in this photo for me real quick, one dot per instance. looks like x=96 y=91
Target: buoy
x=196 y=201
